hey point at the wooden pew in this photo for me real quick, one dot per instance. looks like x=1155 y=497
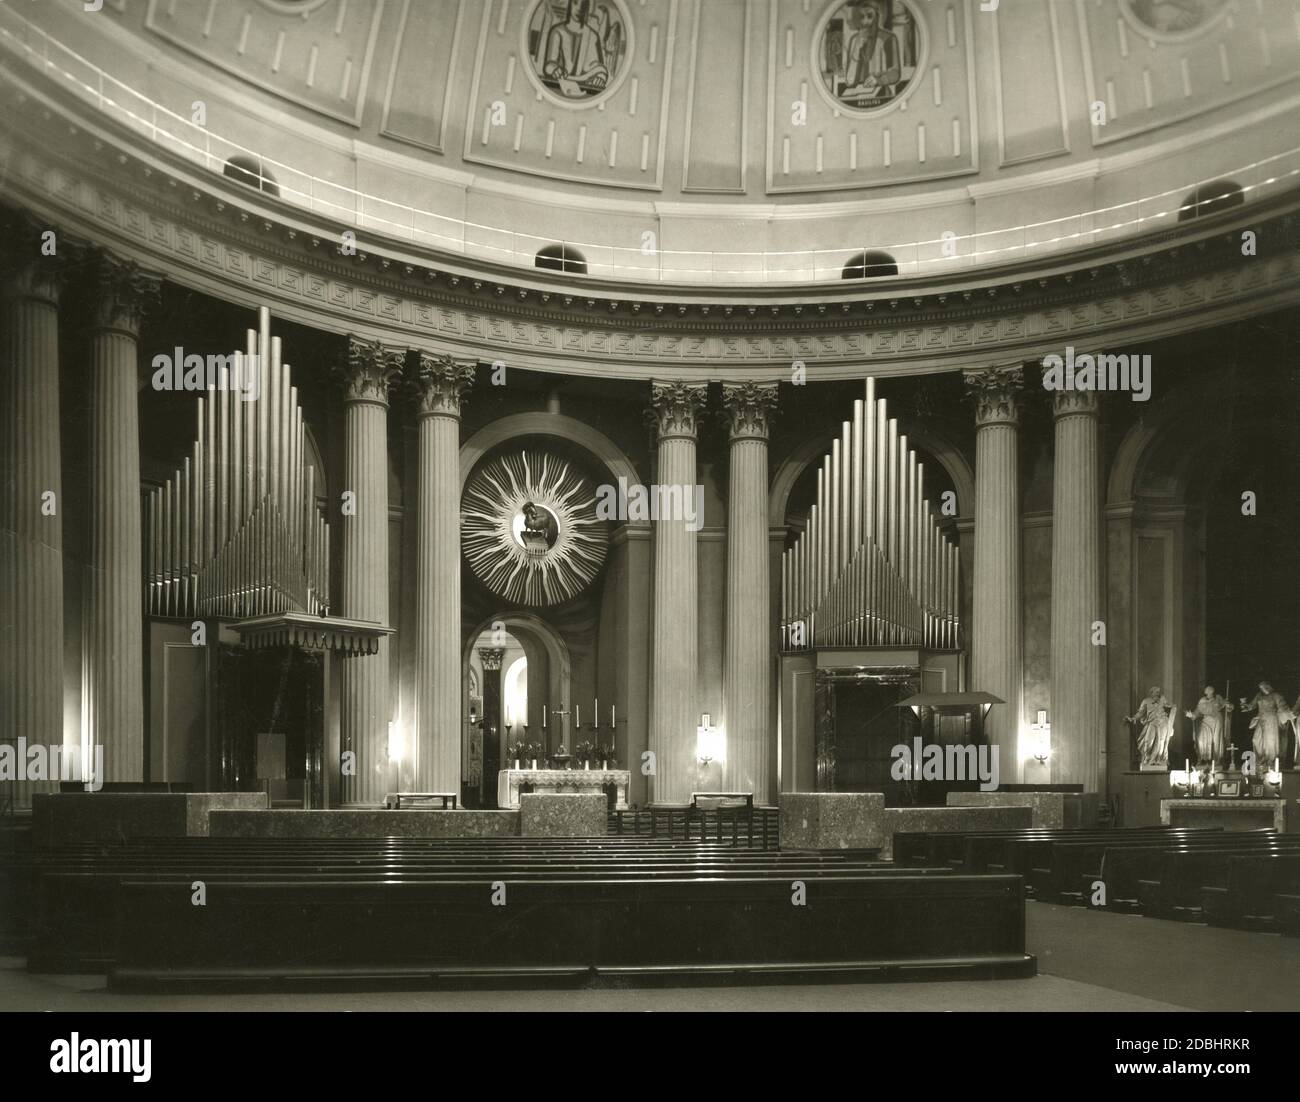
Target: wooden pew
x=1180 y=875
x=278 y=932
x=1250 y=888
x=1124 y=868
x=77 y=894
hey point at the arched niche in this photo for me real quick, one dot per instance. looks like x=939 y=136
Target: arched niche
x=541 y=423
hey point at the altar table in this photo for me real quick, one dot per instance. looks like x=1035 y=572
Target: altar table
x=562 y=780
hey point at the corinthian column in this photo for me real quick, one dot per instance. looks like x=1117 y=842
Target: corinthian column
x=31 y=498
x=441 y=384
x=115 y=608
x=1077 y=723
x=997 y=651
x=748 y=655
x=673 y=719
x=364 y=713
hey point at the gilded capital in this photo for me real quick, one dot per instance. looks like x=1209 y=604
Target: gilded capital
x=121 y=293
x=996 y=392
x=675 y=408
x=1066 y=403
x=38 y=261
x=491 y=657
x=749 y=409
x=370 y=370
x=440 y=384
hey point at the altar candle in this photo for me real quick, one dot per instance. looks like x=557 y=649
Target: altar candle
x=595 y=711
x=543 y=717
x=1275 y=765
x=613 y=711
x=577 y=716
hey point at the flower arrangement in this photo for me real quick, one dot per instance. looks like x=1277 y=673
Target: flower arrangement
x=585 y=752
x=609 y=755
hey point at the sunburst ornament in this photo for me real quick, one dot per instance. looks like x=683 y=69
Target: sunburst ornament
x=529 y=528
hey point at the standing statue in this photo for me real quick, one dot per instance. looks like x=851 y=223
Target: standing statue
x=1155 y=714
x=1271 y=712
x=1209 y=725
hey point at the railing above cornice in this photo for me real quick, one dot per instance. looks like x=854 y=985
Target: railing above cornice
x=444 y=236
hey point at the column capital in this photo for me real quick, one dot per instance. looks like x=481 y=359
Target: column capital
x=440 y=383
x=491 y=657
x=121 y=293
x=675 y=407
x=28 y=269
x=996 y=393
x=1069 y=403
x=749 y=409
x=369 y=371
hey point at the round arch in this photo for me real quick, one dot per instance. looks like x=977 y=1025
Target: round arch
x=542 y=423
x=812 y=449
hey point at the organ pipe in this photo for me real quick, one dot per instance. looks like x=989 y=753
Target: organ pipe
x=872 y=566
x=236 y=532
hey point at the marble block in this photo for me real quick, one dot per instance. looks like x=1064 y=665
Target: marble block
x=832 y=820
x=1225 y=812
x=60 y=818
x=1051 y=810
x=941 y=820
x=364 y=823
x=562 y=814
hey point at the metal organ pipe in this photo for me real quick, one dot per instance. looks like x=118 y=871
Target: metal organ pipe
x=872 y=566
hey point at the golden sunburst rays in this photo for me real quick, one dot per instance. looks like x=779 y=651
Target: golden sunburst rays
x=553 y=556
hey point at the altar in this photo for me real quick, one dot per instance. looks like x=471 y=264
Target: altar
x=562 y=780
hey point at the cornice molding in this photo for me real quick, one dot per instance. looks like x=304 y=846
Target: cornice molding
x=206 y=233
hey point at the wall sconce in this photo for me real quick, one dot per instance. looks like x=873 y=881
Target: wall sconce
x=1040 y=740
x=710 y=743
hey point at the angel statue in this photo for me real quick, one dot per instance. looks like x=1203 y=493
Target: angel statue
x=1272 y=712
x=1156 y=715
x=1209 y=725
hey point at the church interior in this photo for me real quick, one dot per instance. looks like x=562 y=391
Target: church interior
x=795 y=497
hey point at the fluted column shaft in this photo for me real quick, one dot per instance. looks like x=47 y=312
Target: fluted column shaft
x=748 y=648
x=114 y=681
x=673 y=717
x=997 y=648
x=364 y=706
x=31 y=524
x=441 y=383
x=1077 y=666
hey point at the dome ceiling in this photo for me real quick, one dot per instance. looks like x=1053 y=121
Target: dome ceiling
x=741 y=98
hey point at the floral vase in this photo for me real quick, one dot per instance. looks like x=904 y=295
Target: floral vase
x=516 y=764
x=534 y=764
x=586 y=765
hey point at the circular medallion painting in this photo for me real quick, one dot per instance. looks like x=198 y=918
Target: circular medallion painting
x=577 y=51
x=1174 y=20
x=529 y=528
x=869 y=53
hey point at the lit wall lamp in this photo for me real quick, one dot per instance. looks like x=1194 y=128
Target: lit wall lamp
x=1040 y=739
x=710 y=743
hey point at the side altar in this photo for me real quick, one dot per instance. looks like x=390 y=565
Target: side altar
x=509 y=782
